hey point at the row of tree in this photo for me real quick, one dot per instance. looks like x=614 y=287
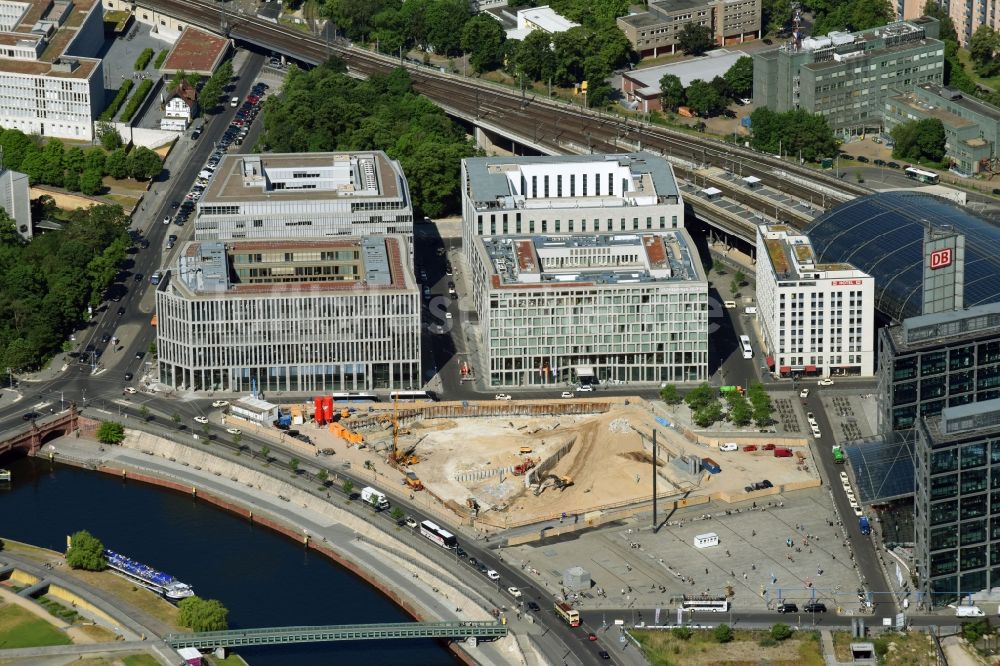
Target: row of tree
x=706 y=408
x=46 y=284
x=325 y=109
x=708 y=98
x=211 y=91
x=795 y=132
x=87 y=552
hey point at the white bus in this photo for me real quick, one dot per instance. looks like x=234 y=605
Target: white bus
x=745 y=346
x=441 y=537
x=703 y=605
x=411 y=396
x=928 y=177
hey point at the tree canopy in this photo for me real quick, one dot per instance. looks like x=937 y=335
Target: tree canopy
x=919 y=140
x=325 y=109
x=792 y=132
x=86 y=552
x=739 y=77
x=203 y=614
x=110 y=432
x=850 y=15
x=704 y=99
x=695 y=39
x=671 y=92
x=983 y=48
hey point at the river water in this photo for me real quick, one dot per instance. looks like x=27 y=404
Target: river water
x=264 y=579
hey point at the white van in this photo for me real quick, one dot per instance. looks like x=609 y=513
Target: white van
x=969 y=611
x=729 y=446
x=729 y=305
x=234 y=102
x=752 y=310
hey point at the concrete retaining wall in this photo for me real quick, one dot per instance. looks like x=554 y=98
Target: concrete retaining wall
x=75 y=600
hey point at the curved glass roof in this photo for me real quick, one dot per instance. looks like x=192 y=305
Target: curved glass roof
x=882 y=234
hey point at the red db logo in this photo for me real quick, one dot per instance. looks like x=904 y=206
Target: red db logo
x=940 y=258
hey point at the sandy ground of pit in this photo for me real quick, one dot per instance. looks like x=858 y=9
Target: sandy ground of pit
x=609 y=462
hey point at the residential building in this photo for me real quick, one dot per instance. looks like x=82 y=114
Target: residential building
x=641 y=87
x=817 y=319
x=15 y=199
x=971 y=126
x=968 y=15
x=657 y=31
x=957 y=544
x=539 y=18
x=305 y=195
x=51 y=80
x=599 y=308
x=909 y=9
x=180 y=107
x=301 y=316
x=846 y=77
x=559 y=245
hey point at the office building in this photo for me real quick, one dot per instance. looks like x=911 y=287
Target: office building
x=626 y=307
x=846 y=77
x=51 y=80
x=15 y=199
x=304 y=195
x=539 y=18
x=957 y=544
x=302 y=316
x=657 y=31
x=817 y=319
x=971 y=126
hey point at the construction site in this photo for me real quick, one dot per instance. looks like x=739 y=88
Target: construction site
x=500 y=465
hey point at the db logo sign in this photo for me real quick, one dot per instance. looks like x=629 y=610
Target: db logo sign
x=940 y=258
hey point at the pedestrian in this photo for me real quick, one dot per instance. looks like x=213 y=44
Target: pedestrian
x=706 y=571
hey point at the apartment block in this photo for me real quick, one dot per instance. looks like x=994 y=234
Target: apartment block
x=302 y=316
x=304 y=196
x=657 y=31
x=846 y=77
x=51 y=80
x=817 y=319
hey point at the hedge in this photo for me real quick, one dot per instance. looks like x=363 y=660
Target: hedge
x=160 y=58
x=143 y=59
x=116 y=103
x=137 y=98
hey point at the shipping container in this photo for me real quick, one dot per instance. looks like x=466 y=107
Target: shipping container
x=782 y=452
x=711 y=465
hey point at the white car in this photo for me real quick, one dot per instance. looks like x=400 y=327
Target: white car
x=804 y=393
x=745 y=101
x=447 y=315
x=514 y=592
x=501 y=396
x=220 y=403
x=843 y=477
x=234 y=431
x=130 y=390
x=816 y=433
x=166 y=220
x=729 y=446
x=585 y=388
x=410 y=522
x=492 y=575
x=858 y=511
x=825 y=382
x=566 y=394
x=201 y=419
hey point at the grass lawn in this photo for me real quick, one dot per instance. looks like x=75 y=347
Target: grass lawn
x=232 y=660
x=125 y=591
x=126 y=202
x=910 y=649
x=993 y=83
x=20 y=628
x=661 y=648
x=140 y=660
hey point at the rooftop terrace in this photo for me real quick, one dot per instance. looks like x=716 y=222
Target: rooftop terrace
x=793 y=258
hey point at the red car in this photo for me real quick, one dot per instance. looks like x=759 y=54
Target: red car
x=750 y=447
x=253 y=99
x=769 y=447
x=591 y=637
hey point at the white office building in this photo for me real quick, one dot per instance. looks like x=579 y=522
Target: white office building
x=304 y=195
x=301 y=316
x=51 y=82
x=817 y=319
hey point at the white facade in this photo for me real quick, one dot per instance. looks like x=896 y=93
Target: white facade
x=305 y=195
x=336 y=315
x=817 y=319
x=177 y=107
x=539 y=18
x=60 y=95
x=15 y=199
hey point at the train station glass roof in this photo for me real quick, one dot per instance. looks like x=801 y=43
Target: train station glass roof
x=882 y=234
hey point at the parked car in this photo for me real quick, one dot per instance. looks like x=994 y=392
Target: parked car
x=201 y=419
x=567 y=394
x=814 y=607
x=729 y=446
x=234 y=431
x=220 y=403
x=862 y=158
x=30 y=415
x=788 y=608
x=501 y=396
x=893 y=165
x=585 y=388
x=492 y=574
x=825 y=382
x=879 y=162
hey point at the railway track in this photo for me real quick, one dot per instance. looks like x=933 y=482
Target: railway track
x=556 y=126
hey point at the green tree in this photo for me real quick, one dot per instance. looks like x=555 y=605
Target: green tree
x=86 y=552
x=722 y=633
x=740 y=412
x=396 y=514
x=739 y=77
x=919 y=140
x=483 y=39
x=293 y=464
x=775 y=14
x=946 y=30
x=237 y=438
x=265 y=453
x=144 y=412
x=445 y=22
x=983 y=48
x=708 y=414
x=695 y=39
x=534 y=56
x=110 y=432
x=700 y=396
x=794 y=132
x=347 y=487
x=322 y=475
x=740 y=278
x=93 y=158
x=109 y=136
x=73 y=159
x=152 y=348
x=91 y=182
x=704 y=99
x=780 y=632
x=681 y=633
x=71 y=181
x=176 y=418
x=204 y=431
x=143 y=163
x=670 y=395
x=671 y=92
x=116 y=164
x=202 y=614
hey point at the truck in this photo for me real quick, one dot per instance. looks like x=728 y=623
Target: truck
x=838 y=455
x=864 y=525
x=375 y=497
x=711 y=465
x=782 y=452
x=969 y=611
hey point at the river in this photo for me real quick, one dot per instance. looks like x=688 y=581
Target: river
x=264 y=579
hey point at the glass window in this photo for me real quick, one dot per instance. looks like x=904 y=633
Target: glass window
x=973 y=532
x=943 y=563
x=945 y=460
x=974 y=507
x=974 y=481
x=944 y=537
x=973 y=455
x=944 y=486
x=944 y=512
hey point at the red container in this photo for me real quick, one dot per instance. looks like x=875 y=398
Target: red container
x=782 y=452
x=318 y=410
x=328 y=408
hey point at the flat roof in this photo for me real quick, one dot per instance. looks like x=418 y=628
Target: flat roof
x=57 y=23
x=792 y=256
x=958 y=98
x=972 y=420
x=546 y=19
x=706 y=67
x=249 y=178
x=945 y=328
x=204 y=267
x=493 y=180
x=595 y=259
x=197 y=51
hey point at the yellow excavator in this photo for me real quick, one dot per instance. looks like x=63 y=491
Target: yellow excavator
x=400 y=458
